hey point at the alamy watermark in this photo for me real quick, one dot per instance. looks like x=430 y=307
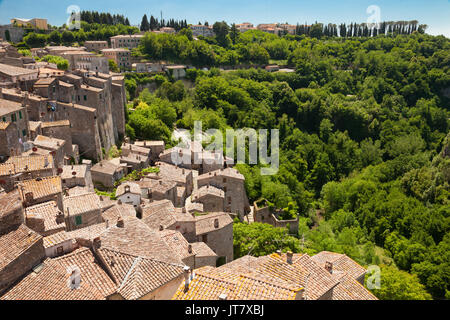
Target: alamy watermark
x=236 y=142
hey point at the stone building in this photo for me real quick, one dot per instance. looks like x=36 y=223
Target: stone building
x=77 y=175
x=180 y=246
x=105 y=174
x=59 y=130
x=41 y=190
x=96 y=46
x=21 y=249
x=182 y=177
x=93 y=102
x=134 y=162
x=262 y=213
x=45 y=218
x=128 y=149
x=122 y=57
x=36 y=23
x=204 y=256
x=82 y=211
x=9 y=140
x=232 y=183
x=17 y=75
x=56 y=147
x=86 y=61
x=163 y=215
x=216 y=230
x=155 y=190
x=156 y=148
x=129 y=193
x=35 y=129
x=11 y=211
x=211 y=197
x=15 y=113
x=24 y=168
x=126 y=41
x=58 y=244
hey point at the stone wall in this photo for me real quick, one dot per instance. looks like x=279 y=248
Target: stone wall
x=11 y=216
x=220 y=241
x=15 y=33
x=264 y=214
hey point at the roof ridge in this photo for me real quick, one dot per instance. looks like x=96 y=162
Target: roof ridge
x=125 y=279
x=143 y=258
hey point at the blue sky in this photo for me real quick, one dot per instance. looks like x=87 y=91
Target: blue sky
x=434 y=13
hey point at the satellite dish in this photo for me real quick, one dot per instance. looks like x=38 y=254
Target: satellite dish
x=34 y=149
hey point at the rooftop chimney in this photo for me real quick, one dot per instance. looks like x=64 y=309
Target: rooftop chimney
x=216 y=223
x=74 y=278
x=278 y=252
x=289 y=256
x=161 y=228
x=119 y=202
x=183 y=210
x=97 y=243
x=187 y=279
x=329 y=266
x=190 y=248
x=223 y=296
x=120 y=223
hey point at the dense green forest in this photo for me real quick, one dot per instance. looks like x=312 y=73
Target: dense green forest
x=365 y=149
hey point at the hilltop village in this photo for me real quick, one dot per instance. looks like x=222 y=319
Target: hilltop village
x=168 y=233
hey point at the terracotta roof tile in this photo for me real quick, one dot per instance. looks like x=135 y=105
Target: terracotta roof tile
x=51 y=282
x=48 y=212
x=340 y=262
x=42 y=187
x=138 y=276
x=79 y=204
x=14 y=243
x=206 y=223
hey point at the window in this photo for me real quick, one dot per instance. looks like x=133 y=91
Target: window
x=85 y=98
x=78 y=220
x=20 y=114
x=4 y=119
x=24 y=132
x=13 y=117
x=205 y=238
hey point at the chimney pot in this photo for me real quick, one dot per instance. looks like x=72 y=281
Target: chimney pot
x=187 y=279
x=223 y=296
x=97 y=243
x=216 y=223
x=161 y=228
x=190 y=248
x=289 y=256
x=120 y=223
x=329 y=266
